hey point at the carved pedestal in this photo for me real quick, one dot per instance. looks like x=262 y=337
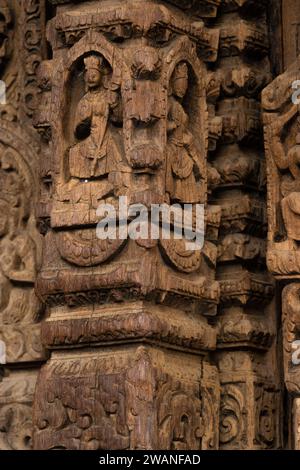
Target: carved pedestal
x=131 y=397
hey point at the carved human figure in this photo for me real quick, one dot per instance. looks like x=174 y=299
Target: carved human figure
x=97 y=152
x=17 y=252
x=183 y=160
x=291 y=202
x=290 y=182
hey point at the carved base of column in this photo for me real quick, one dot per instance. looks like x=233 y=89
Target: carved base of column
x=250 y=403
x=130 y=397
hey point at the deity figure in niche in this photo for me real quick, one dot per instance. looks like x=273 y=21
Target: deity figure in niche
x=288 y=162
x=97 y=152
x=183 y=171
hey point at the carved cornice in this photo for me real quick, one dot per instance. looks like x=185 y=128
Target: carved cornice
x=202 y=8
x=128 y=323
x=215 y=127
x=244 y=214
x=241 y=247
x=244 y=37
x=241 y=120
x=213 y=223
x=127 y=281
x=123 y=22
x=239 y=329
x=240 y=169
x=246 y=289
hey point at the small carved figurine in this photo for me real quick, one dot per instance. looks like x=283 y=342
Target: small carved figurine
x=183 y=179
x=97 y=152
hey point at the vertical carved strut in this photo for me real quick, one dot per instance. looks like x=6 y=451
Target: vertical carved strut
x=247 y=359
x=282 y=142
x=21 y=25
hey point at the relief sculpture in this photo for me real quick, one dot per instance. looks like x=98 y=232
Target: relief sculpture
x=184 y=167
x=164 y=114
x=282 y=139
x=97 y=153
x=19 y=254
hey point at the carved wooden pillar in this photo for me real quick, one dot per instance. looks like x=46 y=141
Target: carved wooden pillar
x=124 y=113
x=282 y=139
x=21 y=24
x=249 y=375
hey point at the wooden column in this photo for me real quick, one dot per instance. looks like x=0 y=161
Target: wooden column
x=129 y=322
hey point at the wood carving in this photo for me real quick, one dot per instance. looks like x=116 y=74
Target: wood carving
x=116 y=400
x=141 y=342
x=281 y=119
x=183 y=167
x=123 y=102
x=282 y=144
x=20 y=244
x=96 y=154
x=247 y=312
x=290 y=320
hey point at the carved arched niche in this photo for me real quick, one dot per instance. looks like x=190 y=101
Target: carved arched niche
x=187 y=107
x=93 y=118
x=186 y=147
x=87 y=126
